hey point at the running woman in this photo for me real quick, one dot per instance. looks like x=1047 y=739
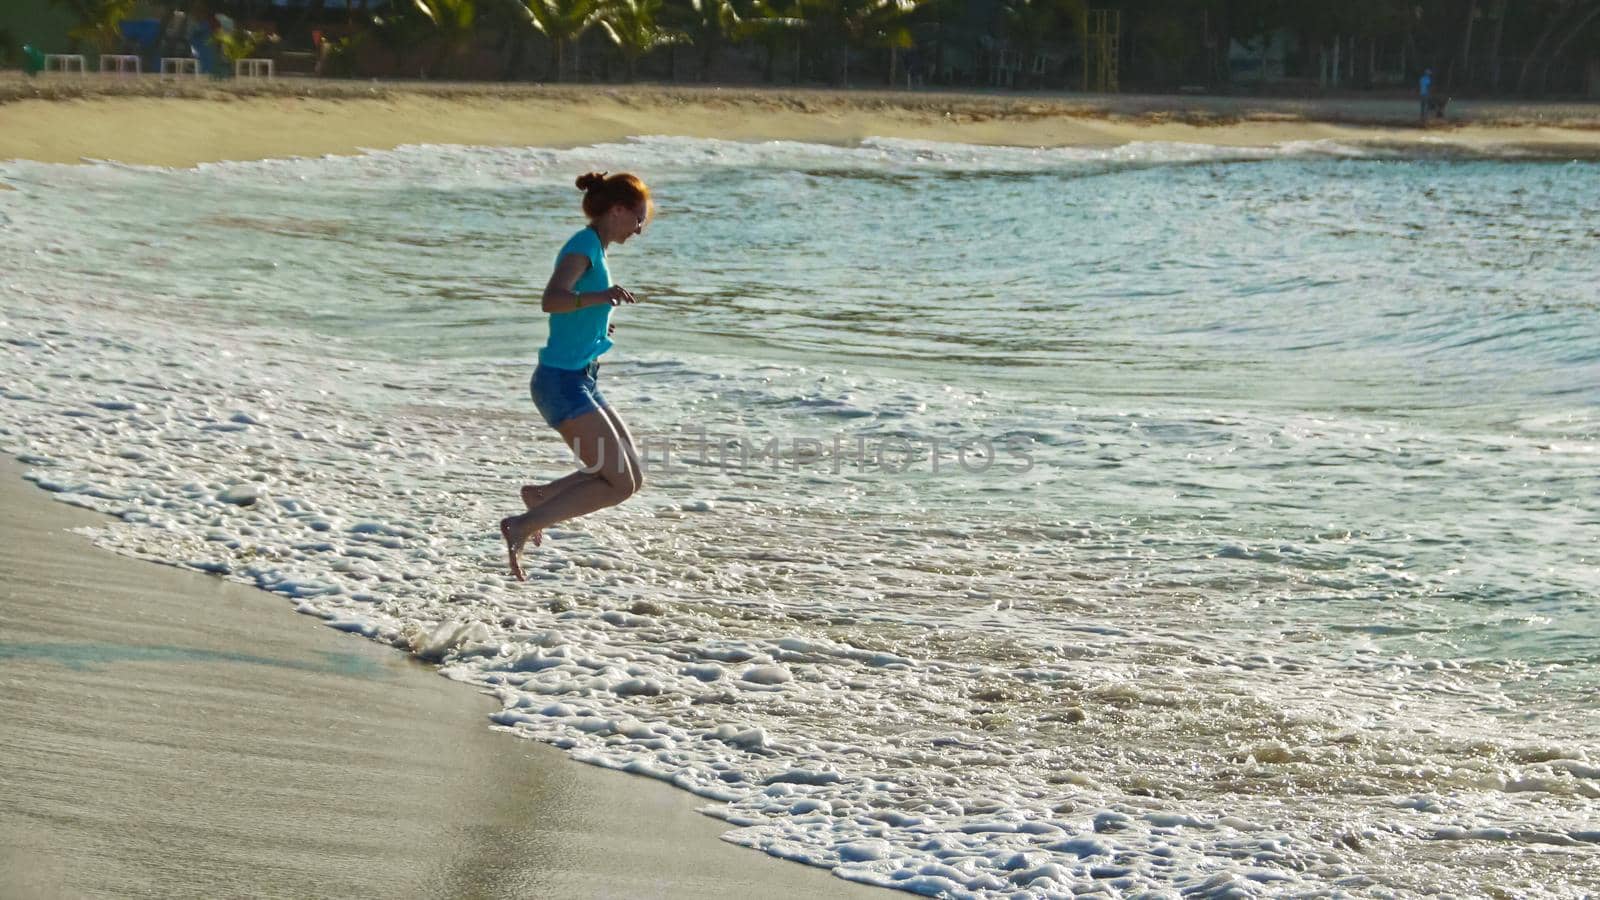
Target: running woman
x=565 y=385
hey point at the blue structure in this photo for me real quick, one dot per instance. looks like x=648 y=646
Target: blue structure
x=203 y=48
x=142 y=37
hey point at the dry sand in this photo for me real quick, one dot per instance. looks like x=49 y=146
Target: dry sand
x=180 y=123
x=168 y=734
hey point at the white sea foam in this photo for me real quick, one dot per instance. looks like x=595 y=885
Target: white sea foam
x=1041 y=684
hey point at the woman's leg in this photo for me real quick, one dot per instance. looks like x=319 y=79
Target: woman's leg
x=535 y=494
x=597 y=443
x=634 y=465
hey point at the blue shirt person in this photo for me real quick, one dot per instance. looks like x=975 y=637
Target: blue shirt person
x=1424 y=91
x=565 y=386
x=578 y=336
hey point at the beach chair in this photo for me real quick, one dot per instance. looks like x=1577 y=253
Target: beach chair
x=120 y=64
x=65 y=62
x=175 y=66
x=254 y=67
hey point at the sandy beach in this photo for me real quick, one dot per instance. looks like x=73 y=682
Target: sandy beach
x=170 y=123
x=175 y=735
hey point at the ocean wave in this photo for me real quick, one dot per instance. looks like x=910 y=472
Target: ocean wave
x=1205 y=645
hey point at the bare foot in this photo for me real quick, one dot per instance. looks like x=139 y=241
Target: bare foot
x=513 y=548
x=533 y=495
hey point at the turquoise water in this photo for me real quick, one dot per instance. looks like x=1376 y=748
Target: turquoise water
x=1290 y=525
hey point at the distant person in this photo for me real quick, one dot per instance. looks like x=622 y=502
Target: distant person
x=565 y=384
x=1430 y=101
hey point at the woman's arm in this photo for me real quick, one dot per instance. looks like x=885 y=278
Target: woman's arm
x=559 y=296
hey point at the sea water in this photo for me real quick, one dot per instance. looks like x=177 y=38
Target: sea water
x=1018 y=523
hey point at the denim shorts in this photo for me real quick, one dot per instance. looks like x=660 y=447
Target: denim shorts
x=563 y=394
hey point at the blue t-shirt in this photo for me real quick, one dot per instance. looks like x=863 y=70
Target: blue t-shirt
x=578 y=337
x=1425 y=84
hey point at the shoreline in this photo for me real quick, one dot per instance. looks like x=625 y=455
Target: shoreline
x=981 y=740
x=148 y=121
x=168 y=731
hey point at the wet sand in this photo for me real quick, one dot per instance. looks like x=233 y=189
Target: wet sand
x=164 y=733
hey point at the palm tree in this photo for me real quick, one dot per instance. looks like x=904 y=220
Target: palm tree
x=632 y=26
x=562 y=21
x=99 y=21
x=1473 y=13
x=1499 y=16
x=453 y=20
x=864 y=23
x=887 y=24
x=1568 y=22
x=1030 y=24
x=768 y=24
x=708 y=24
x=507 y=22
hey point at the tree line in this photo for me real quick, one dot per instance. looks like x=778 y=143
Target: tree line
x=1473 y=46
